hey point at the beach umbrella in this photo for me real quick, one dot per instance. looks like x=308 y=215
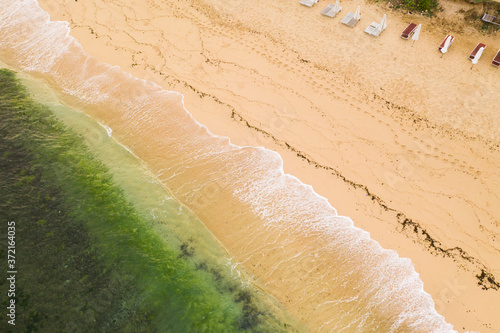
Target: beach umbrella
x=417 y=32
x=477 y=56
x=446 y=45
x=357 y=14
x=383 y=23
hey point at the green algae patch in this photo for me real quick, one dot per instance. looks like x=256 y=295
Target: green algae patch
x=86 y=260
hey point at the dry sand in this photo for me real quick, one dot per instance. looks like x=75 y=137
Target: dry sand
x=397 y=137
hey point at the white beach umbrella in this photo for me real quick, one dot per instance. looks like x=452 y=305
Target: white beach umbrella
x=446 y=45
x=337 y=6
x=478 y=55
x=383 y=23
x=417 y=32
x=357 y=14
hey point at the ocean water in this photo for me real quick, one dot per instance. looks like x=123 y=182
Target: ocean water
x=291 y=240
x=89 y=260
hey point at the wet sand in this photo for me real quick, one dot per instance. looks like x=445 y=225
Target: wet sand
x=400 y=139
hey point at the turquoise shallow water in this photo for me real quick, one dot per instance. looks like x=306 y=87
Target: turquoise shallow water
x=104 y=264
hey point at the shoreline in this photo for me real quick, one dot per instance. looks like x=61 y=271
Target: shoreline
x=197 y=267
x=260 y=122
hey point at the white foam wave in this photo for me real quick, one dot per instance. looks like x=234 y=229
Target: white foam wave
x=377 y=278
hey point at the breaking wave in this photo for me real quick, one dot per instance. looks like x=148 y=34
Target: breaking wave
x=289 y=237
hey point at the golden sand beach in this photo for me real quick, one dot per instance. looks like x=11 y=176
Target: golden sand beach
x=396 y=136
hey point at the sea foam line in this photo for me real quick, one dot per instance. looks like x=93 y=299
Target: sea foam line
x=42 y=33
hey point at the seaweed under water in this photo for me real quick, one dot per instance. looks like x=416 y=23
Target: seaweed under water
x=88 y=261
